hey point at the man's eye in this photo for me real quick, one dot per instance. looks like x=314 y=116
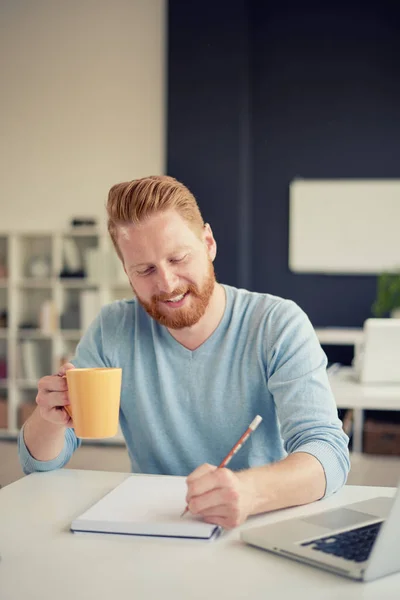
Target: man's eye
x=178 y=259
x=146 y=271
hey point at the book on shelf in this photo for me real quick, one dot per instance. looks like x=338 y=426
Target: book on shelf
x=89 y=306
x=30 y=364
x=71 y=256
x=3 y=413
x=48 y=317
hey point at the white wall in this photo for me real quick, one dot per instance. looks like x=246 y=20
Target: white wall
x=82 y=105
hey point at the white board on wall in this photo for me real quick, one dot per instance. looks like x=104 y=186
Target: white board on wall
x=344 y=226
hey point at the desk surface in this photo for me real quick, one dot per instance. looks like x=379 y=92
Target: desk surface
x=41 y=559
x=349 y=393
x=343 y=336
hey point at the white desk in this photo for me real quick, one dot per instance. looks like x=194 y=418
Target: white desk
x=42 y=560
x=349 y=393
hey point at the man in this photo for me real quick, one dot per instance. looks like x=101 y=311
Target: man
x=200 y=360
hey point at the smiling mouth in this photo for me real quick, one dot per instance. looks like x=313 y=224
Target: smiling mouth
x=176 y=299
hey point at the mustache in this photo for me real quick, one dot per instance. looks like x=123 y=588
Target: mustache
x=163 y=297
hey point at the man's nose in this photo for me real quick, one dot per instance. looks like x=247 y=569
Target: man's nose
x=167 y=281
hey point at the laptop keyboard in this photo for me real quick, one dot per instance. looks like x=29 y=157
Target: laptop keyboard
x=354 y=545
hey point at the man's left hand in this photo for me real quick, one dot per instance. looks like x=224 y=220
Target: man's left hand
x=219 y=496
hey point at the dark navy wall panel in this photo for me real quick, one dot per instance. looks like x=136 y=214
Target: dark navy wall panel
x=207 y=116
x=260 y=92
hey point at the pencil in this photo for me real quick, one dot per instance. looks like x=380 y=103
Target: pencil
x=252 y=427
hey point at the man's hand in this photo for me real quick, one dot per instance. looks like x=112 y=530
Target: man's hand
x=227 y=498
x=44 y=431
x=53 y=396
x=219 y=496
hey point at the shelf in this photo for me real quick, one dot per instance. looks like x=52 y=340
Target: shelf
x=35 y=284
x=3 y=334
x=9 y=434
x=3 y=384
x=26 y=384
x=4 y=283
x=70 y=334
x=117 y=440
x=121 y=286
x=37 y=334
x=78 y=283
x=12 y=434
x=33 y=334
x=82 y=232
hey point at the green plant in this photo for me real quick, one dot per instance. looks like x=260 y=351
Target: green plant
x=387 y=294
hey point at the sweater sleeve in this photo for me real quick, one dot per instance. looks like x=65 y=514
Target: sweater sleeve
x=298 y=381
x=29 y=464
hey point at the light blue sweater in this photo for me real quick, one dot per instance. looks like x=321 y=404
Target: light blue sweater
x=181 y=408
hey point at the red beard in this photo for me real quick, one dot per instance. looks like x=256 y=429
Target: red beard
x=186 y=316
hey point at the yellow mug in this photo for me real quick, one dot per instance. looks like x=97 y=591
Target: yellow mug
x=94 y=396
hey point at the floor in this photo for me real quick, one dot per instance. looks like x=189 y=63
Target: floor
x=367 y=469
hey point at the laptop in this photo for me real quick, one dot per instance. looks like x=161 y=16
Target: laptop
x=377 y=359
x=359 y=540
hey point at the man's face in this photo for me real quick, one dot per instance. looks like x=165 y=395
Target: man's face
x=169 y=267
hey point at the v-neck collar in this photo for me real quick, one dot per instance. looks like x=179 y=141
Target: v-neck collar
x=163 y=334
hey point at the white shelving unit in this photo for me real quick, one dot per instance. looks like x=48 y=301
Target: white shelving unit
x=52 y=284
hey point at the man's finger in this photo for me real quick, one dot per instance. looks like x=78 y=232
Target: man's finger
x=212 y=496
x=52 y=383
x=215 y=512
x=58 y=416
x=206 y=501
x=202 y=486
x=52 y=399
x=224 y=522
x=200 y=471
x=64 y=368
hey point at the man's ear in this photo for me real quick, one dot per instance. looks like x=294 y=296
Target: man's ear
x=209 y=241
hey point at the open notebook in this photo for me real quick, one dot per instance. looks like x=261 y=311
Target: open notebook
x=145 y=505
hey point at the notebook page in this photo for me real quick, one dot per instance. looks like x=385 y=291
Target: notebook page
x=145 y=505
